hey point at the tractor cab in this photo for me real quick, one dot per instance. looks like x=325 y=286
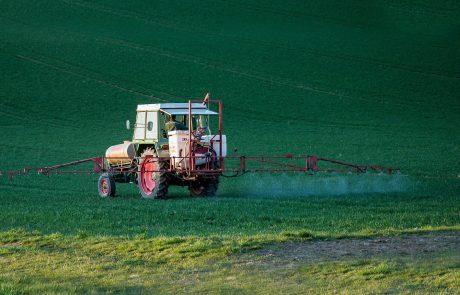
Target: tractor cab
x=153 y=121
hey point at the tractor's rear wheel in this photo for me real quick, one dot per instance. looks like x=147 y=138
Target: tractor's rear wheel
x=204 y=187
x=152 y=181
x=106 y=186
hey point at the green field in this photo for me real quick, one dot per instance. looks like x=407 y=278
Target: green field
x=372 y=82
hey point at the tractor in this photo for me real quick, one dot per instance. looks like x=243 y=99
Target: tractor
x=159 y=156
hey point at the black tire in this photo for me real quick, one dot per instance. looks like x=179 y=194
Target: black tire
x=152 y=182
x=204 y=187
x=106 y=186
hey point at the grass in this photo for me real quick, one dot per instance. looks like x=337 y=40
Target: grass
x=374 y=83
x=46 y=209
x=82 y=244
x=36 y=263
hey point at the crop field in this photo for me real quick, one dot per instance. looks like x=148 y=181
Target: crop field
x=369 y=82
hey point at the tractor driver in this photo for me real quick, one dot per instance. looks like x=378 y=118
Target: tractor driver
x=172 y=124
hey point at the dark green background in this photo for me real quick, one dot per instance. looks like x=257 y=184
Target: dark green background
x=373 y=82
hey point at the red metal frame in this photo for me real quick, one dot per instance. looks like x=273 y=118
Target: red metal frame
x=192 y=141
x=243 y=164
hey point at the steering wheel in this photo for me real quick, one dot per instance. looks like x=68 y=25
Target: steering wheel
x=199 y=132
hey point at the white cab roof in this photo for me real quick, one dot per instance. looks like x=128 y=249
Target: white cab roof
x=176 y=108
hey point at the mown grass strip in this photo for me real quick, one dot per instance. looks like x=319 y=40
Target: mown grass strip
x=55 y=263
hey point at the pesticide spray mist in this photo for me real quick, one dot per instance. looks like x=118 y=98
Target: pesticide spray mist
x=297 y=184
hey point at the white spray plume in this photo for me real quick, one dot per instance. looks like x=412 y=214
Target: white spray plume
x=294 y=185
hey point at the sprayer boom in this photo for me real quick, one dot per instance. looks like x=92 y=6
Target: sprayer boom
x=173 y=145
x=235 y=166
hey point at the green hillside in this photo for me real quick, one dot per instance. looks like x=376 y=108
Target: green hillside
x=372 y=82
x=351 y=81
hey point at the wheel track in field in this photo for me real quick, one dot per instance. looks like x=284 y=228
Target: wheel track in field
x=124 y=13
x=21 y=113
x=250 y=75
x=260 y=76
x=206 y=63
x=193 y=59
x=43 y=118
x=91 y=72
x=94 y=74
x=209 y=64
x=267 y=78
x=181 y=57
x=147 y=18
x=196 y=60
x=73 y=72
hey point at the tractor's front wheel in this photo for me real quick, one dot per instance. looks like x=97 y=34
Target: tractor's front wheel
x=106 y=186
x=152 y=177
